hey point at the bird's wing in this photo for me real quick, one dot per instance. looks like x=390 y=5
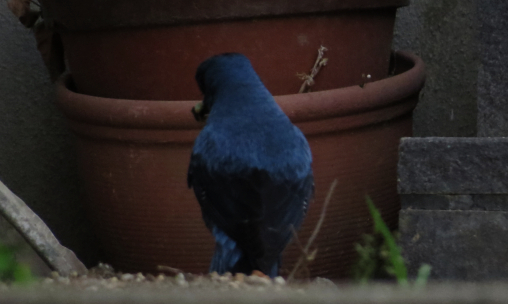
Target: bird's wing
x=286 y=204
x=250 y=207
x=230 y=202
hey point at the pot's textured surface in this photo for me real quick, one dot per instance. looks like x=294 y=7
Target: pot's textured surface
x=160 y=63
x=134 y=155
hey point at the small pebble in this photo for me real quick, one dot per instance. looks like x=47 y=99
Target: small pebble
x=140 y=277
x=113 y=279
x=160 y=277
x=127 y=277
x=255 y=280
x=234 y=284
x=214 y=276
x=74 y=274
x=240 y=277
x=180 y=277
x=55 y=274
x=279 y=281
x=180 y=280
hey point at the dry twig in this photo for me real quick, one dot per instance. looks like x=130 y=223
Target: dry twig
x=306 y=257
x=169 y=269
x=309 y=79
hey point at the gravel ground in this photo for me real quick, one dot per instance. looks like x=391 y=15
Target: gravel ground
x=213 y=289
x=102 y=285
x=103 y=277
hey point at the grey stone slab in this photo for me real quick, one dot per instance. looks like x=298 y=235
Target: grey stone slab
x=459 y=245
x=447 y=165
x=445 y=34
x=24 y=252
x=38 y=235
x=479 y=202
x=37 y=157
x=493 y=73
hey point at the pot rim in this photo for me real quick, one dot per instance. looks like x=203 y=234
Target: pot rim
x=300 y=108
x=110 y=14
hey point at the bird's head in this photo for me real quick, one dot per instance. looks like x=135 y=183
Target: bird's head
x=219 y=70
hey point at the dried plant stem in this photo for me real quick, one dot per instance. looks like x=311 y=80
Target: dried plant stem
x=309 y=79
x=305 y=256
x=169 y=269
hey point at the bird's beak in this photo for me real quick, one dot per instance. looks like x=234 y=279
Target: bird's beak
x=200 y=112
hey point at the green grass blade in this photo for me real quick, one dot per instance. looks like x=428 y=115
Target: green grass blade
x=423 y=275
x=399 y=267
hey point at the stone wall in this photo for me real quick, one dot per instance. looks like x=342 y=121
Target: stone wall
x=454 y=194
x=444 y=34
x=454 y=191
x=493 y=76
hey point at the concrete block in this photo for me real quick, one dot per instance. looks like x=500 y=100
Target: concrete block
x=444 y=165
x=459 y=245
x=493 y=72
x=445 y=34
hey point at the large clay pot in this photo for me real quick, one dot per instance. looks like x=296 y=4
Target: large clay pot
x=133 y=157
x=150 y=49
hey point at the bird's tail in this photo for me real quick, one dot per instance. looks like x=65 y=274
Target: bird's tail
x=226 y=255
x=270 y=267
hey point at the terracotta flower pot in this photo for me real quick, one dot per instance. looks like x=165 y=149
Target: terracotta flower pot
x=150 y=49
x=133 y=157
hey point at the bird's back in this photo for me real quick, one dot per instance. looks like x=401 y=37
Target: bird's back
x=251 y=172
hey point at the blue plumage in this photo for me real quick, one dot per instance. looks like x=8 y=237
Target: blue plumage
x=250 y=168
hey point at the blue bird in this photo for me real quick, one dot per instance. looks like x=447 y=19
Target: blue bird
x=250 y=168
